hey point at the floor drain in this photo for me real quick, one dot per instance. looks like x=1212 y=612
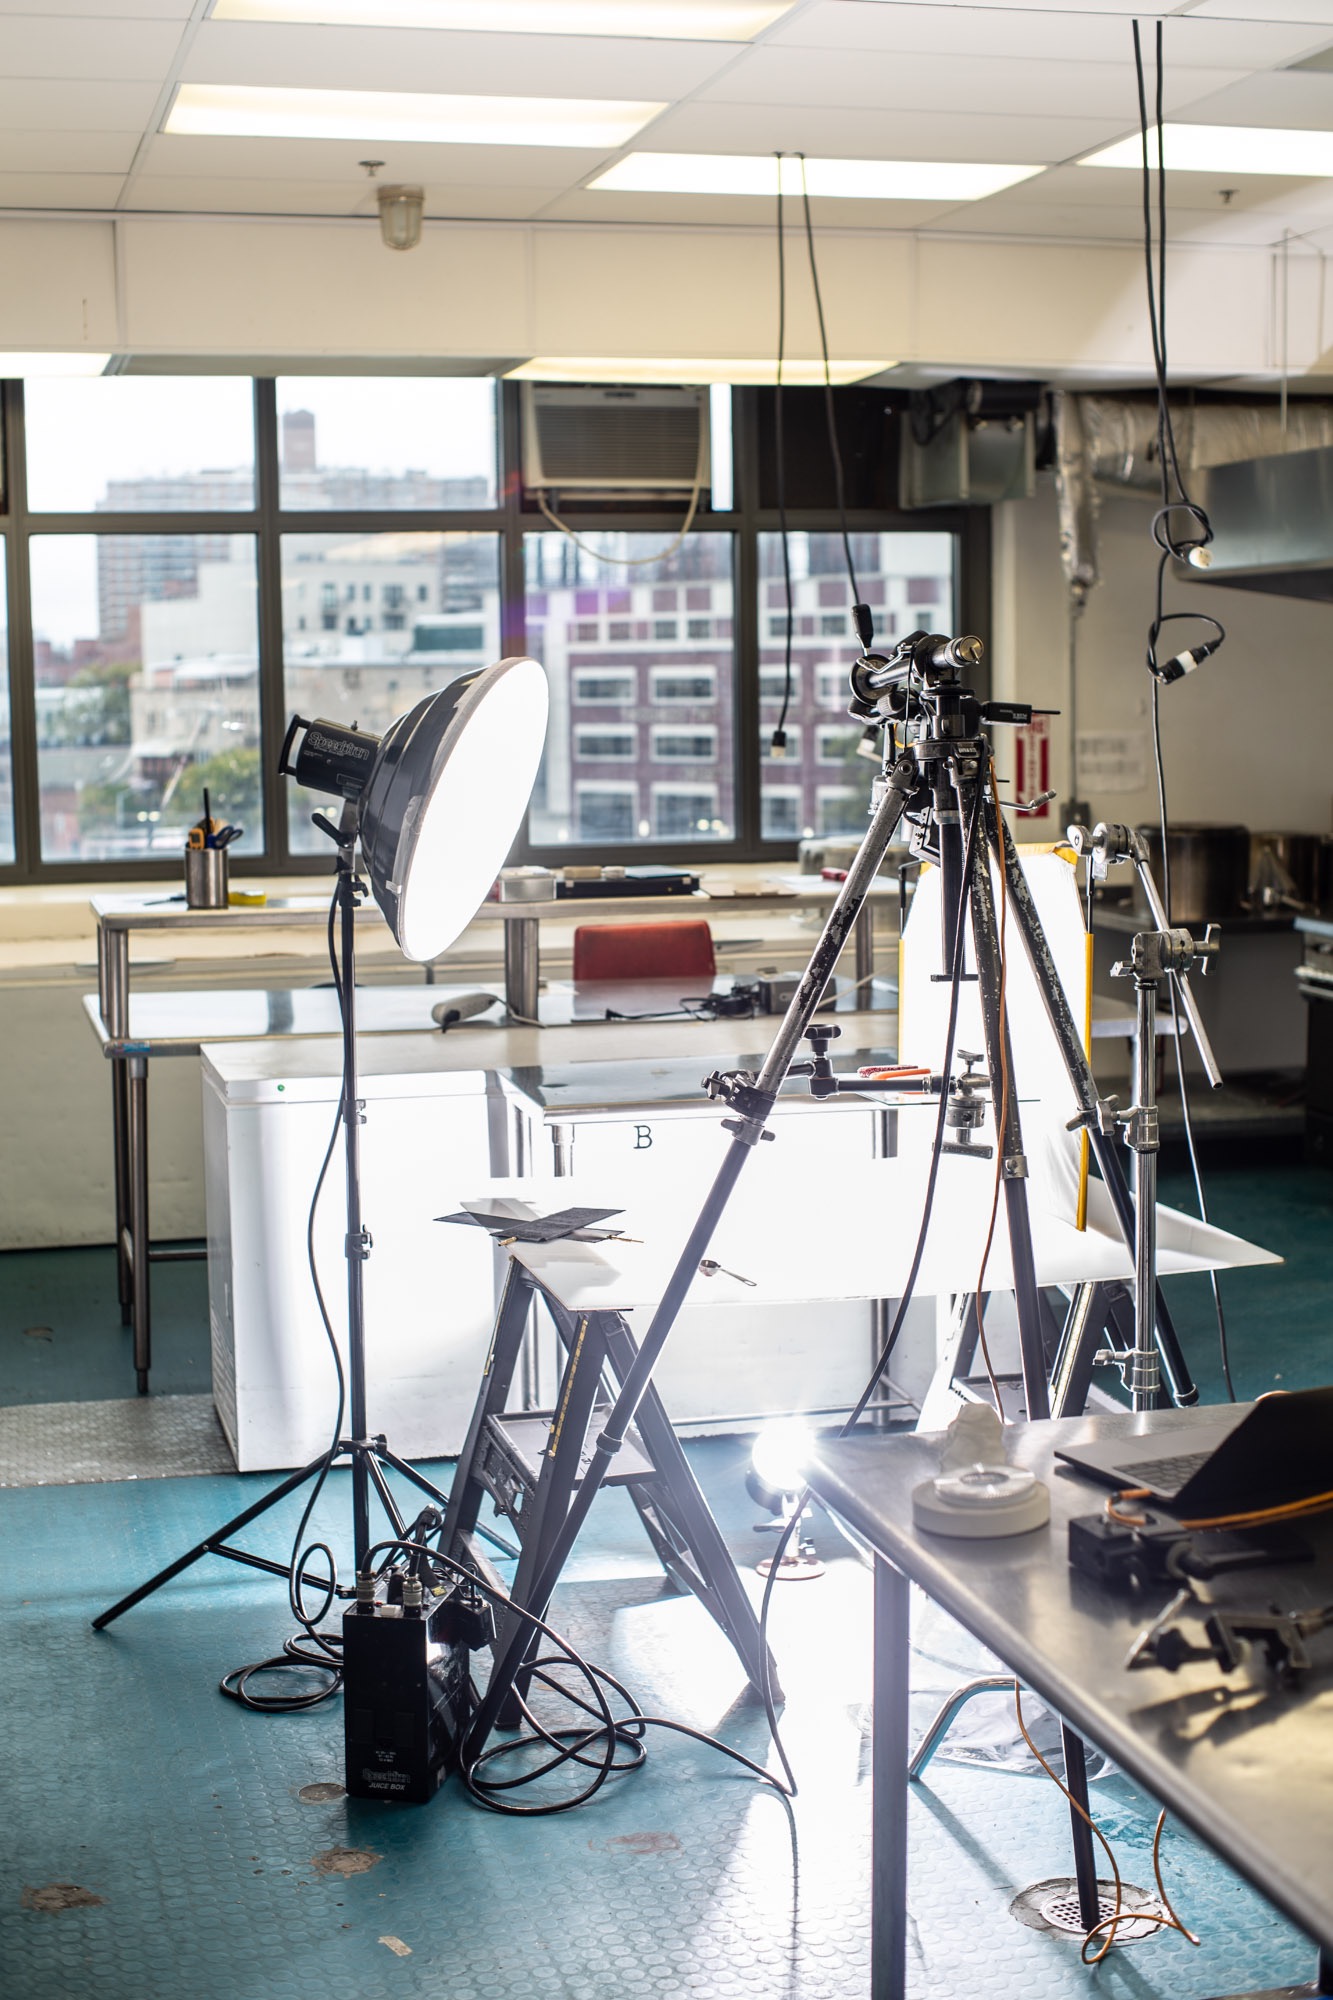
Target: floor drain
x=1053 y=1906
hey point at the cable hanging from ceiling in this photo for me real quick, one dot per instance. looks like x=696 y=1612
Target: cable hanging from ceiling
x=1186 y=543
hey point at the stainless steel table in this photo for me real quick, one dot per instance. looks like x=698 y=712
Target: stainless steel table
x=1250 y=1772
x=134 y=1030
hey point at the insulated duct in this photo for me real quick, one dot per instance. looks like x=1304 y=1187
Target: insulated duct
x=1111 y=443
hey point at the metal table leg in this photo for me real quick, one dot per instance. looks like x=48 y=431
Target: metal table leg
x=137 y=1227
x=113 y=994
x=888 y=1849
x=522 y=966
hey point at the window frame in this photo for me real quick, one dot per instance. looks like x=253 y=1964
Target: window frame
x=514 y=516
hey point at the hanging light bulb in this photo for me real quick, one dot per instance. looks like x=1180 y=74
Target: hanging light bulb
x=400 y=216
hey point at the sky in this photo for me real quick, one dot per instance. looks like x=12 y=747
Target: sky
x=80 y=433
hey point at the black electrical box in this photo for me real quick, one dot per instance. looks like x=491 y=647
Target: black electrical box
x=406 y=1698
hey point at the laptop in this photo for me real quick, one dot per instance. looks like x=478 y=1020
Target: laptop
x=1277 y=1450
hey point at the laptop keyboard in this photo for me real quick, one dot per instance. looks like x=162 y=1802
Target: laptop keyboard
x=1165 y=1473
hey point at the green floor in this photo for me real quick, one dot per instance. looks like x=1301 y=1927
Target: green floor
x=155 y=1842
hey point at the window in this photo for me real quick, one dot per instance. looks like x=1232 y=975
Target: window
x=672 y=744
x=147 y=689
x=835 y=746
x=395 y=659
x=153 y=556
x=681 y=813
x=670 y=684
x=606 y=814
x=894 y=571
x=362 y=443
x=566 y=587
x=831 y=687
x=603 y=743
x=780 y=818
x=841 y=809
x=773 y=681
x=126 y=444
x=592 y=684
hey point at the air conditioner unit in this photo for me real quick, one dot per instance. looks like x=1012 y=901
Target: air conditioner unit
x=612 y=440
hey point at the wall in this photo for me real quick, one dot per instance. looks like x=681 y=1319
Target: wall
x=1244 y=737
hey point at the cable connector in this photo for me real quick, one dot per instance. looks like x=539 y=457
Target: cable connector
x=864 y=621
x=777 y=743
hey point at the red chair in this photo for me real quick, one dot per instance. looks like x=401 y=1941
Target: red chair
x=676 y=950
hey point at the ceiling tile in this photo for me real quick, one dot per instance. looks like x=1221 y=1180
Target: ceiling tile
x=59 y=190
x=763 y=128
x=102 y=10
x=333 y=163
x=1070 y=36
x=1299 y=98
x=220 y=196
x=1320 y=12
x=67 y=152
x=38 y=105
x=485 y=65
x=58 y=47
x=965 y=84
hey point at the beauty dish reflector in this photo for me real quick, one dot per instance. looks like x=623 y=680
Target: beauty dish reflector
x=441 y=795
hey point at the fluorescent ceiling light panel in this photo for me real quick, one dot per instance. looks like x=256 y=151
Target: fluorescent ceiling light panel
x=659 y=20
x=1226 y=149
x=14 y=366
x=852 y=180
x=601 y=368
x=253 y=111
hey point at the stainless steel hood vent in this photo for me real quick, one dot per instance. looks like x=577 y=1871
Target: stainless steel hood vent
x=1272 y=522
x=1267 y=485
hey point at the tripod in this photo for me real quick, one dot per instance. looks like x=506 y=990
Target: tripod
x=368 y=1456
x=937 y=779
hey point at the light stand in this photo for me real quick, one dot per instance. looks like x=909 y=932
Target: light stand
x=938 y=777
x=435 y=804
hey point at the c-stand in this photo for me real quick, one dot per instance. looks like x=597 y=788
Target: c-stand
x=936 y=779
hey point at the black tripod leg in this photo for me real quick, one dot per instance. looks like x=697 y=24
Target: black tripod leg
x=1000 y=1062
x=680 y=1523
x=210 y=1544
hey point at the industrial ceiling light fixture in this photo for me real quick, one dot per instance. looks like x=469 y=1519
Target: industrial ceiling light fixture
x=401 y=210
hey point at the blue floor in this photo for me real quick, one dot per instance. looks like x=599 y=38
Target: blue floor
x=193 y=1867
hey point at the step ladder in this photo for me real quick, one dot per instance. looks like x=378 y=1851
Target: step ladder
x=529 y=1464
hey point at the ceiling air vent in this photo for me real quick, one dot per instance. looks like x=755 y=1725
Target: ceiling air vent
x=612 y=440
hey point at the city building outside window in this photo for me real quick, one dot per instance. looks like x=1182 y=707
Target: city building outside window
x=205 y=556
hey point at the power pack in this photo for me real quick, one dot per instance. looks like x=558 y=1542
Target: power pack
x=406 y=1695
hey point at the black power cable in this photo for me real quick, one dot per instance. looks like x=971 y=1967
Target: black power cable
x=1186 y=545
x=309 y=1649
x=778 y=740
x=835 y=449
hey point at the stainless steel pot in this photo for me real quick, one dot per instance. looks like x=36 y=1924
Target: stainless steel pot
x=1306 y=858
x=1210 y=871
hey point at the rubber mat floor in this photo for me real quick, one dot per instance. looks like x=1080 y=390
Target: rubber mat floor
x=158 y=1841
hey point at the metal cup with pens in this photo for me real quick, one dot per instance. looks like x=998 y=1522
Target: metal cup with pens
x=206 y=861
